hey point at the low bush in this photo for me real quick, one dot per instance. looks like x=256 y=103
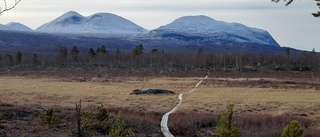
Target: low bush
x=49 y=119
x=293 y=129
x=226 y=127
x=98 y=122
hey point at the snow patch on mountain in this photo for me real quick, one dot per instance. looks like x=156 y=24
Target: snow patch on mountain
x=99 y=23
x=203 y=28
x=14 y=26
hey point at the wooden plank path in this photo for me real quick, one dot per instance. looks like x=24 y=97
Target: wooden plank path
x=165 y=117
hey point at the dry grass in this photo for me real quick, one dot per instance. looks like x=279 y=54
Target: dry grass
x=209 y=96
x=270 y=96
x=256 y=100
x=115 y=93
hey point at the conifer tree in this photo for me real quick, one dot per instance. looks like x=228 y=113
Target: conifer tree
x=293 y=129
x=103 y=50
x=63 y=51
x=19 y=57
x=118 y=51
x=35 y=59
x=74 y=53
x=226 y=126
x=138 y=50
x=92 y=53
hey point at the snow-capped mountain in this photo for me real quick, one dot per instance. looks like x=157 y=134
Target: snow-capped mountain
x=185 y=33
x=100 y=23
x=14 y=26
x=203 y=28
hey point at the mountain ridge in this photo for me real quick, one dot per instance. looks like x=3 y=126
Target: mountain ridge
x=184 y=33
x=205 y=28
x=15 y=26
x=98 y=23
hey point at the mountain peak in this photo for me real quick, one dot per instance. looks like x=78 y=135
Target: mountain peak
x=68 y=18
x=15 y=26
x=99 y=23
x=197 y=18
x=213 y=30
x=71 y=13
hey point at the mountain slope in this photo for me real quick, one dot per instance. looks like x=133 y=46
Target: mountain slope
x=100 y=23
x=14 y=26
x=12 y=41
x=32 y=42
x=187 y=33
x=204 y=29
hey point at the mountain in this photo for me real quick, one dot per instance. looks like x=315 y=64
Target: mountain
x=188 y=33
x=37 y=42
x=100 y=23
x=14 y=26
x=195 y=29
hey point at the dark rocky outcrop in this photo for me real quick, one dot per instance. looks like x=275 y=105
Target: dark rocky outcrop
x=151 y=91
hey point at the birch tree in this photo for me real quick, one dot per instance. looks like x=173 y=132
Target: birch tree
x=8 y=5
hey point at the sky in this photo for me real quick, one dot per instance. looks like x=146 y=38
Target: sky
x=291 y=26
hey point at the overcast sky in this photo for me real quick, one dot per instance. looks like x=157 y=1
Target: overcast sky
x=291 y=26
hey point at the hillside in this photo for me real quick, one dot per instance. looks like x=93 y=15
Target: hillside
x=186 y=33
x=203 y=29
x=99 y=23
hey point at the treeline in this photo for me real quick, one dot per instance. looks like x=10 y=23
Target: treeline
x=160 y=61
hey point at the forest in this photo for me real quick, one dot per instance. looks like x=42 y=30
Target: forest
x=101 y=61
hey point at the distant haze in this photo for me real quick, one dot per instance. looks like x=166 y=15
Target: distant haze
x=291 y=26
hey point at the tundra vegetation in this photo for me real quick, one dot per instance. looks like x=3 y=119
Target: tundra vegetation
x=22 y=113
x=226 y=127
x=268 y=90
x=292 y=130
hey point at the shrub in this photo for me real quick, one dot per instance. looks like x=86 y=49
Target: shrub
x=49 y=119
x=118 y=128
x=96 y=120
x=99 y=121
x=226 y=127
x=293 y=129
x=200 y=135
